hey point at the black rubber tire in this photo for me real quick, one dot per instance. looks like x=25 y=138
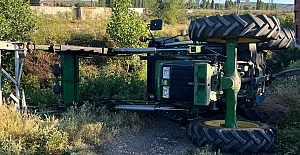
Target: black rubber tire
x=232 y=139
x=286 y=39
x=248 y=28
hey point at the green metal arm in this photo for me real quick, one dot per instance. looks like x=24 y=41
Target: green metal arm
x=231 y=83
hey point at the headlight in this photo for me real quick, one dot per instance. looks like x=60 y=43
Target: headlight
x=166 y=72
x=166 y=92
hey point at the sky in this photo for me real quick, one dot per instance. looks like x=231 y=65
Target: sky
x=266 y=1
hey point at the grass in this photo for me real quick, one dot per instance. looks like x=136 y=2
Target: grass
x=79 y=130
x=206 y=150
x=286 y=92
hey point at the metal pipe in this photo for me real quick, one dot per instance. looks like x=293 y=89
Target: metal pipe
x=134 y=50
x=20 y=71
x=172 y=50
x=136 y=107
x=147 y=50
x=146 y=108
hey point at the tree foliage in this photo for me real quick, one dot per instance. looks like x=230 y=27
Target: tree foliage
x=204 y=4
x=125 y=26
x=16 y=20
x=212 y=4
x=171 y=11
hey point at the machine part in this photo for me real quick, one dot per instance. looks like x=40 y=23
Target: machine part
x=248 y=28
x=69 y=78
x=231 y=83
x=156 y=24
x=56 y=70
x=286 y=39
x=249 y=137
x=146 y=108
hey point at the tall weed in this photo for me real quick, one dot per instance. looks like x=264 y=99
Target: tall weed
x=78 y=129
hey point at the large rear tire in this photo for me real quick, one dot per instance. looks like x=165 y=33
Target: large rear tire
x=248 y=28
x=286 y=39
x=254 y=137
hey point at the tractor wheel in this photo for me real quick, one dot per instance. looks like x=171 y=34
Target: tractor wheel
x=286 y=39
x=249 y=137
x=248 y=28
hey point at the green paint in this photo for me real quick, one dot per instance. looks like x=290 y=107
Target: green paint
x=159 y=81
x=69 y=78
x=231 y=83
x=202 y=79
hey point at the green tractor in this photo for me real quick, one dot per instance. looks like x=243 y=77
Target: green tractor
x=222 y=65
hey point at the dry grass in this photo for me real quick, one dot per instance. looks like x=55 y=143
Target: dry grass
x=79 y=129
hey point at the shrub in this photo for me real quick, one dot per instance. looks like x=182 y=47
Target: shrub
x=79 y=129
x=286 y=93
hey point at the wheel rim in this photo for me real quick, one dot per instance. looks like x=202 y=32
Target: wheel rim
x=241 y=124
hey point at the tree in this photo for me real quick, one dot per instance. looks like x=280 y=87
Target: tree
x=16 y=20
x=226 y=4
x=207 y=5
x=171 y=11
x=81 y=4
x=212 y=4
x=204 y=4
x=258 y=5
x=125 y=26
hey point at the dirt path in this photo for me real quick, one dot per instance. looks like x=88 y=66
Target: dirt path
x=161 y=137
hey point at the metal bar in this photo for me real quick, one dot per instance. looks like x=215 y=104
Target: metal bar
x=147 y=50
x=133 y=50
x=42 y=47
x=79 y=48
x=7 y=74
x=14 y=98
x=7 y=46
x=20 y=71
x=69 y=78
x=146 y=108
x=232 y=78
x=136 y=107
x=173 y=50
x=17 y=89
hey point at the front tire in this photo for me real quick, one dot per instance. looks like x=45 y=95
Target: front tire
x=254 y=137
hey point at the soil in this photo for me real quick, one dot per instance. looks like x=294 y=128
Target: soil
x=160 y=137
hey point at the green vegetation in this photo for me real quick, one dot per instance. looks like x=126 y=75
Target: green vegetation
x=286 y=92
x=125 y=26
x=16 y=20
x=77 y=131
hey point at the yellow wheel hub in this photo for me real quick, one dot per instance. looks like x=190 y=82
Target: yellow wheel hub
x=241 y=124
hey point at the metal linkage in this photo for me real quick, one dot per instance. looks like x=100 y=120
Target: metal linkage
x=20 y=50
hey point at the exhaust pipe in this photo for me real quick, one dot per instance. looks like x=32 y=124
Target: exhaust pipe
x=146 y=108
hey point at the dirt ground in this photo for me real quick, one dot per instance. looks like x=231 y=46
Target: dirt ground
x=161 y=137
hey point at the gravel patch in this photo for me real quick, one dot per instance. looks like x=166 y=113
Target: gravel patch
x=161 y=137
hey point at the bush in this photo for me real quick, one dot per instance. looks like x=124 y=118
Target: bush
x=28 y=134
x=286 y=93
x=79 y=129
x=113 y=85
